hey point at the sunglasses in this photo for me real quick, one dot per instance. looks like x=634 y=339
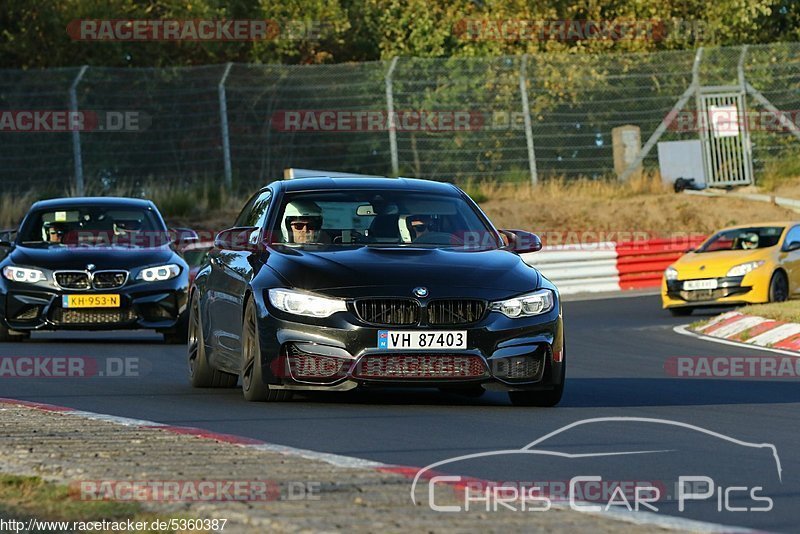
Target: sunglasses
x=302 y=225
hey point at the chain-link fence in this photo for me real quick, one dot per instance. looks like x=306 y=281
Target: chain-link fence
x=454 y=119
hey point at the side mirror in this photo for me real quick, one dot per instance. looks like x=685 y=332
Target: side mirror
x=183 y=237
x=241 y=238
x=794 y=245
x=521 y=242
x=7 y=238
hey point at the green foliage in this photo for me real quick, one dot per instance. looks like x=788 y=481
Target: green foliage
x=34 y=31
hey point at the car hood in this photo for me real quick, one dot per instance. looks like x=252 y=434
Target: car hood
x=715 y=264
x=491 y=273
x=77 y=258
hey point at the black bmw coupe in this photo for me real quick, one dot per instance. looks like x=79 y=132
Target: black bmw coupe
x=92 y=264
x=337 y=283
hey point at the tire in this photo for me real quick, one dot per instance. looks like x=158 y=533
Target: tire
x=7 y=337
x=542 y=399
x=681 y=312
x=180 y=334
x=201 y=374
x=253 y=386
x=779 y=287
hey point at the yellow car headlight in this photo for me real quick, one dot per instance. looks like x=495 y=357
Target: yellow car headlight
x=744 y=268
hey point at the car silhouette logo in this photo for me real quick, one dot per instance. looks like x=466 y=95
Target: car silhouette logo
x=421 y=292
x=90 y=267
x=702 y=267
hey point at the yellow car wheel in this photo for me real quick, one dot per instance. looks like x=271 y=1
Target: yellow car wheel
x=778 y=287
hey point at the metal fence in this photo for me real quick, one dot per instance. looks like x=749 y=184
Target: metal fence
x=529 y=116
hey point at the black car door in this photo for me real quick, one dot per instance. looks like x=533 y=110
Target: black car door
x=229 y=277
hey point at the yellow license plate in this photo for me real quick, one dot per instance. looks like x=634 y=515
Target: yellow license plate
x=90 y=301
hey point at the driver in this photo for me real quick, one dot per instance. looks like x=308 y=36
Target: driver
x=302 y=222
x=419 y=225
x=55 y=232
x=749 y=241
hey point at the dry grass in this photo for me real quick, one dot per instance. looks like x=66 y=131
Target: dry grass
x=643 y=205
x=780 y=311
x=640 y=205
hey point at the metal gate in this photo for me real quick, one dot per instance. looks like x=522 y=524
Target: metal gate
x=722 y=121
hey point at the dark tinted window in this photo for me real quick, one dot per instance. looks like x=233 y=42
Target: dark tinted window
x=94 y=225
x=381 y=218
x=744 y=239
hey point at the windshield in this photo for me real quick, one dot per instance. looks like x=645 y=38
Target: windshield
x=93 y=226
x=743 y=239
x=388 y=218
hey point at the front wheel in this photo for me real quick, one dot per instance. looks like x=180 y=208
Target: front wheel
x=542 y=399
x=253 y=386
x=7 y=336
x=779 y=287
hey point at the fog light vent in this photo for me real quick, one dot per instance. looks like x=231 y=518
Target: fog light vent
x=312 y=366
x=518 y=367
x=28 y=315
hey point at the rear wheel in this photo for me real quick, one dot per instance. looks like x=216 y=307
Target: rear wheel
x=681 y=312
x=778 y=287
x=201 y=374
x=253 y=386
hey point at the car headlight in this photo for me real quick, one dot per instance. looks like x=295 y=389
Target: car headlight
x=23 y=274
x=671 y=273
x=535 y=303
x=160 y=273
x=744 y=268
x=298 y=303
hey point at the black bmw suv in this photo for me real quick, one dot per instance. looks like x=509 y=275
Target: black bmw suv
x=338 y=283
x=92 y=264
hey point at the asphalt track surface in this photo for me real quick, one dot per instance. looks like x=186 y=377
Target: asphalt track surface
x=617 y=349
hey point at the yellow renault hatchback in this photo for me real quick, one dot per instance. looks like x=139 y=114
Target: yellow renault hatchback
x=748 y=264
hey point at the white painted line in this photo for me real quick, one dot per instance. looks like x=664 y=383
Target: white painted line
x=638 y=518
x=739 y=326
x=124 y=421
x=684 y=330
x=334 y=459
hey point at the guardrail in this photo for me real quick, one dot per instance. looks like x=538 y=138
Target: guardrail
x=609 y=266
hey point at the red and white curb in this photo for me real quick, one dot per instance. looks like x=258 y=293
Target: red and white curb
x=610 y=265
x=750 y=330
x=642 y=518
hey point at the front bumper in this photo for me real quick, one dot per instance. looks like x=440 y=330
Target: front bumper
x=160 y=305
x=341 y=353
x=731 y=290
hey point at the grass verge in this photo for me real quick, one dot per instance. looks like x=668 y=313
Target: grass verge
x=778 y=311
x=23 y=498
x=555 y=205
